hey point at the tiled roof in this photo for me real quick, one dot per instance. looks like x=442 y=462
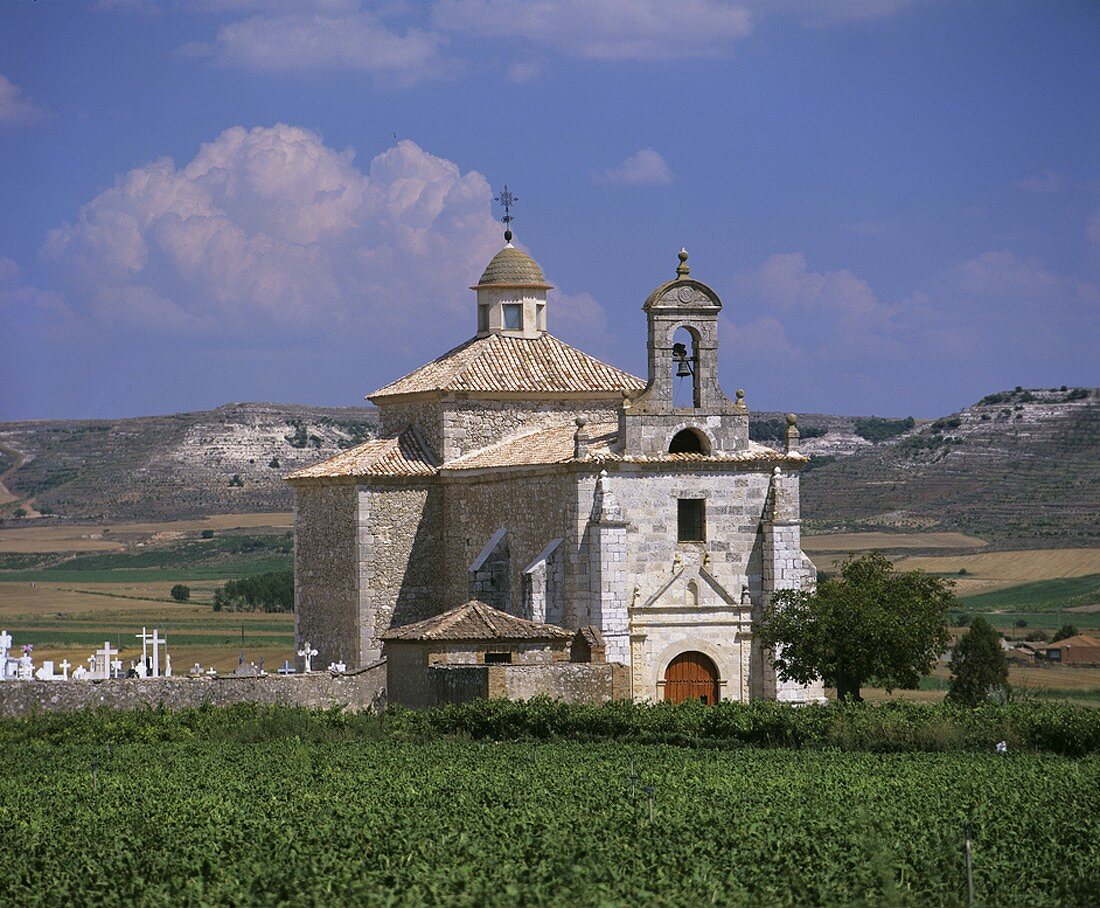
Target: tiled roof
x=500 y=363
x=477 y=621
x=511 y=267
x=1077 y=640
x=400 y=456
x=552 y=446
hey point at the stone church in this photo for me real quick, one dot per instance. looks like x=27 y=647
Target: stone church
x=517 y=474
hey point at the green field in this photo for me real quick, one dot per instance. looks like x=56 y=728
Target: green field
x=1040 y=595
x=386 y=822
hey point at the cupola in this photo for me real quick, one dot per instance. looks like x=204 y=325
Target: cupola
x=511 y=295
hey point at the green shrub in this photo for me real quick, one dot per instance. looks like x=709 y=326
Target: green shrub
x=180 y=592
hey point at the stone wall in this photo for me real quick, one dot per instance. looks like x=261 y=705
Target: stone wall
x=570 y=682
x=426 y=416
x=326 y=572
x=533 y=509
x=319 y=690
x=472 y=424
x=399 y=531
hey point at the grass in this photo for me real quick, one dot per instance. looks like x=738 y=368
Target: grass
x=1039 y=595
x=228 y=571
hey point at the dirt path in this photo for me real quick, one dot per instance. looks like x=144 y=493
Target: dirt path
x=5 y=494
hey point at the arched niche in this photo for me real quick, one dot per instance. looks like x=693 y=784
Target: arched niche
x=689 y=441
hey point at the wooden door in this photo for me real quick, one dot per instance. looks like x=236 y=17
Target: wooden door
x=691 y=676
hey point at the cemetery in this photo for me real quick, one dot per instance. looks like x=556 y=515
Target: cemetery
x=150 y=682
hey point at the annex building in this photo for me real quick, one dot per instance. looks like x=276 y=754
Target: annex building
x=527 y=505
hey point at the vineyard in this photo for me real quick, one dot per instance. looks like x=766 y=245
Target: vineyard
x=323 y=810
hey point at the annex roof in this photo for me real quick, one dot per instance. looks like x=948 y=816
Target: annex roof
x=399 y=456
x=500 y=363
x=477 y=621
x=555 y=446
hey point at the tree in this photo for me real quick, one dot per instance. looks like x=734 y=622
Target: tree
x=20 y=512
x=978 y=664
x=870 y=624
x=1065 y=632
x=180 y=592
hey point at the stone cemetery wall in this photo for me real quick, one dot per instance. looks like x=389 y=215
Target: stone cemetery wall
x=317 y=690
x=572 y=682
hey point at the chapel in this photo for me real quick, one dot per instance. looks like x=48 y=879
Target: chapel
x=522 y=492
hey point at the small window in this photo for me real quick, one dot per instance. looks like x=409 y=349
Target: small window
x=513 y=317
x=540 y=317
x=498 y=658
x=482 y=319
x=691 y=522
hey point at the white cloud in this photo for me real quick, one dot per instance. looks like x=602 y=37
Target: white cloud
x=603 y=29
x=1002 y=275
x=269 y=230
x=1092 y=229
x=645 y=168
x=333 y=37
x=1047 y=181
x=16 y=109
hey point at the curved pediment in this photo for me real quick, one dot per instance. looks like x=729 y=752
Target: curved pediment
x=684 y=293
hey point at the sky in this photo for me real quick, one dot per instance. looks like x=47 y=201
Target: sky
x=207 y=201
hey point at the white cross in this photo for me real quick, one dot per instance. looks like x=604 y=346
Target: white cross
x=116 y=668
x=5 y=643
x=144 y=638
x=157 y=642
x=105 y=654
x=65 y=668
x=307 y=653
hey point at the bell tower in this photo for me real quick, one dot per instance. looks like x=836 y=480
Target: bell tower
x=683 y=409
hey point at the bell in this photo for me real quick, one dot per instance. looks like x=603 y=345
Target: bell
x=683 y=369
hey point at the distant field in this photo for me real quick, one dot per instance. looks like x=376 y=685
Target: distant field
x=1018 y=566
x=888 y=542
x=118 y=578
x=97 y=537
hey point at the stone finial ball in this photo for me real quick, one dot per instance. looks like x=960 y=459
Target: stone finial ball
x=581 y=422
x=682 y=255
x=792 y=420
x=740 y=393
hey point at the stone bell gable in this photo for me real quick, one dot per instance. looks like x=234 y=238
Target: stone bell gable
x=708 y=422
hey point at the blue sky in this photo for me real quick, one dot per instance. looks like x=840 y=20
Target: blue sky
x=228 y=200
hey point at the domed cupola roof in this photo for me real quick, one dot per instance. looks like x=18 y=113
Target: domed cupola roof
x=511 y=267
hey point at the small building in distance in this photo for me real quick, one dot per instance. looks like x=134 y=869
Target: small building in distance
x=1082 y=649
x=518 y=475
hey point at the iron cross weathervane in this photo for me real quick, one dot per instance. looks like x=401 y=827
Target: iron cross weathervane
x=506 y=200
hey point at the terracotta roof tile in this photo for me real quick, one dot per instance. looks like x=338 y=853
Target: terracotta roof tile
x=499 y=363
x=552 y=446
x=400 y=456
x=477 y=621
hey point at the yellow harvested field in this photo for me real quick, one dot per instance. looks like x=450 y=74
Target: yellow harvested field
x=1014 y=567
x=863 y=542
x=95 y=537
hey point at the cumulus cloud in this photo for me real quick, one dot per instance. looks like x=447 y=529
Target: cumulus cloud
x=1047 y=181
x=269 y=230
x=645 y=168
x=16 y=109
x=328 y=36
x=603 y=29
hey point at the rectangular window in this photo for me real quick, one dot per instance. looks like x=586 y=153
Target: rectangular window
x=482 y=319
x=498 y=658
x=513 y=317
x=691 y=520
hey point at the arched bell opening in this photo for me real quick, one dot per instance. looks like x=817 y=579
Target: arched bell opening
x=688 y=441
x=685 y=367
x=691 y=676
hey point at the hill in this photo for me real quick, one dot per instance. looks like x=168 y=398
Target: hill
x=1019 y=467
x=227 y=460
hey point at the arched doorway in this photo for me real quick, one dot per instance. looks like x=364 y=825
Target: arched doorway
x=691 y=676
